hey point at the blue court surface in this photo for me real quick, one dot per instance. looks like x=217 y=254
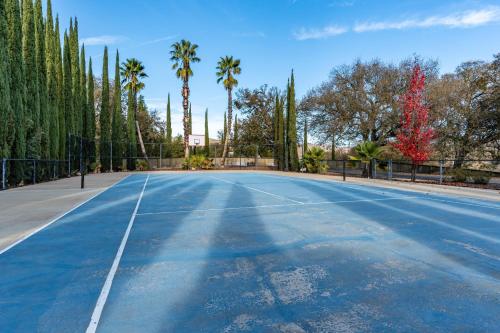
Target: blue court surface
x=243 y=252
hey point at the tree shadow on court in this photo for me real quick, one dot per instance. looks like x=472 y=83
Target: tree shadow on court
x=450 y=235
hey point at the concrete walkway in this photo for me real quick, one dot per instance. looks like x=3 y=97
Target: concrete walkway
x=26 y=209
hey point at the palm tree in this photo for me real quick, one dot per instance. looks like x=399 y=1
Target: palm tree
x=366 y=152
x=183 y=53
x=227 y=68
x=132 y=71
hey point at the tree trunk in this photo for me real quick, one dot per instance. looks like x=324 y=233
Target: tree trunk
x=139 y=135
x=185 y=105
x=413 y=172
x=229 y=124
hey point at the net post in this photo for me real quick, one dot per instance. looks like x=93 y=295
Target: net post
x=4 y=166
x=343 y=170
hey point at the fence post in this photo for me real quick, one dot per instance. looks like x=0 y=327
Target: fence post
x=389 y=173
x=343 y=170
x=441 y=172
x=34 y=171
x=4 y=171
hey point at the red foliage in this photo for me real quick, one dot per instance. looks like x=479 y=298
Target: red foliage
x=415 y=135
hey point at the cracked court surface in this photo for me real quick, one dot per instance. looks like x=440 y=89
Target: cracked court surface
x=232 y=252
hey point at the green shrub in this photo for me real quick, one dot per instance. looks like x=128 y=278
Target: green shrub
x=314 y=160
x=457 y=175
x=468 y=176
x=141 y=165
x=195 y=162
x=481 y=178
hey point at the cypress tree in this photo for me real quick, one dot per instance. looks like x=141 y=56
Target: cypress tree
x=305 y=138
x=235 y=133
x=75 y=72
x=168 y=130
x=17 y=133
x=105 y=116
x=5 y=104
x=83 y=93
x=31 y=79
x=117 y=123
x=291 y=133
x=91 y=114
x=207 y=137
x=60 y=94
x=276 y=136
x=67 y=96
x=52 y=97
x=42 y=81
x=131 y=130
x=281 y=133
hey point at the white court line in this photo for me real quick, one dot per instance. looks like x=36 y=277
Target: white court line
x=273 y=206
x=101 y=301
x=385 y=190
x=60 y=216
x=255 y=189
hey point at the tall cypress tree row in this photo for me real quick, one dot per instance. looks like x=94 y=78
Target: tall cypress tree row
x=75 y=72
x=91 y=114
x=168 y=130
x=17 y=134
x=281 y=132
x=60 y=93
x=117 y=123
x=305 y=138
x=31 y=77
x=52 y=97
x=67 y=95
x=83 y=93
x=276 y=138
x=235 y=134
x=131 y=131
x=207 y=136
x=291 y=133
x=5 y=104
x=105 y=117
x=42 y=80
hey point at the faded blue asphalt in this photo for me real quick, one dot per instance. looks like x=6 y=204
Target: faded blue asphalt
x=232 y=252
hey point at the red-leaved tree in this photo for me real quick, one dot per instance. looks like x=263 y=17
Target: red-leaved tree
x=413 y=139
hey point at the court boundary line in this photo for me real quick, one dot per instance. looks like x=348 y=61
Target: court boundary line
x=257 y=190
x=57 y=218
x=106 y=288
x=274 y=206
x=380 y=190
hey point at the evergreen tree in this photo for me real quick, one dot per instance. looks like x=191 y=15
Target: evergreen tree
x=305 y=138
x=207 y=135
x=67 y=97
x=75 y=72
x=52 y=97
x=105 y=117
x=281 y=133
x=44 y=121
x=31 y=79
x=131 y=131
x=83 y=93
x=91 y=114
x=168 y=130
x=291 y=132
x=60 y=93
x=5 y=104
x=17 y=134
x=117 y=123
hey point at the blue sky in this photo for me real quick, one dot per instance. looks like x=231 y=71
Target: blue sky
x=272 y=37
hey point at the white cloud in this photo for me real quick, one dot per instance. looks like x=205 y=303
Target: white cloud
x=322 y=33
x=158 y=40
x=103 y=40
x=466 y=19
